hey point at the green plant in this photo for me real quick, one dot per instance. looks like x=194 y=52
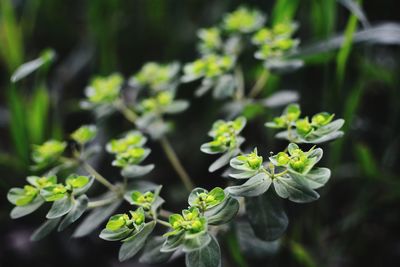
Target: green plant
x=256 y=184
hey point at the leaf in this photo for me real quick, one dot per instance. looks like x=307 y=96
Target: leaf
x=173 y=242
x=76 y=212
x=267 y=216
x=223 y=212
x=133 y=244
x=222 y=161
x=29 y=67
x=20 y=211
x=316 y=178
x=133 y=171
x=255 y=186
x=357 y=10
x=177 y=106
x=84 y=189
x=96 y=217
x=45 y=229
x=115 y=235
x=196 y=243
x=151 y=252
x=251 y=245
x=13 y=194
x=60 y=207
x=224 y=87
x=209 y=256
x=294 y=189
x=280 y=98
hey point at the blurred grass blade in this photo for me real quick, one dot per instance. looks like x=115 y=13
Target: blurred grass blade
x=284 y=10
x=47 y=56
x=301 y=255
x=322 y=17
x=357 y=10
x=366 y=161
x=385 y=34
x=38 y=114
x=345 y=50
x=11 y=44
x=17 y=122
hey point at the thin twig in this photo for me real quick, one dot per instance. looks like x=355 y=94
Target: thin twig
x=101 y=202
x=260 y=83
x=99 y=177
x=163 y=223
x=175 y=162
x=240 y=83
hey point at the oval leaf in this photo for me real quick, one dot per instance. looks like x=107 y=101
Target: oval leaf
x=255 y=186
x=77 y=211
x=60 y=207
x=45 y=229
x=209 y=256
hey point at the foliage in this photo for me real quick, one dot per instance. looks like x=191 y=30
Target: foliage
x=257 y=184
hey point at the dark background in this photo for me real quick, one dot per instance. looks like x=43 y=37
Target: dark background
x=355 y=223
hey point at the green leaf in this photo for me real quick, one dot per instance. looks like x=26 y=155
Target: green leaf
x=85 y=188
x=294 y=189
x=176 y=107
x=134 y=171
x=196 y=243
x=116 y=235
x=60 y=207
x=209 y=256
x=151 y=252
x=31 y=66
x=14 y=194
x=80 y=206
x=134 y=243
x=316 y=178
x=173 y=241
x=97 y=217
x=255 y=186
x=222 y=161
x=45 y=229
x=20 y=211
x=223 y=212
x=267 y=216
x=251 y=245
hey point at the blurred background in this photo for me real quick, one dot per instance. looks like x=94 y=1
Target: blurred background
x=356 y=221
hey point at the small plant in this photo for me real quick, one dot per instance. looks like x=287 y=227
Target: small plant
x=256 y=183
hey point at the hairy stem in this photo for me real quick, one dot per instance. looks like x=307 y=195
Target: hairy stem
x=240 y=83
x=166 y=145
x=260 y=83
x=99 y=177
x=101 y=202
x=175 y=162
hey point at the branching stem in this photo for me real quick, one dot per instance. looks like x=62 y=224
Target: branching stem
x=260 y=83
x=100 y=178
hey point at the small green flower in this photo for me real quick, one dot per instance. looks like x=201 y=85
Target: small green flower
x=303 y=126
x=204 y=199
x=84 y=134
x=41 y=182
x=53 y=192
x=190 y=222
x=144 y=200
x=132 y=156
x=243 y=20
x=77 y=181
x=252 y=160
x=262 y=36
x=117 y=221
x=156 y=76
x=210 y=39
x=209 y=66
x=322 y=119
x=104 y=90
x=131 y=139
x=164 y=98
x=28 y=195
x=138 y=216
x=289 y=116
x=222 y=127
x=282 y=159
x=48 y=152
x=284 y=29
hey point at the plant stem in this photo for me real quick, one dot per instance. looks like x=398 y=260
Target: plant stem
x=175 y=162
x=260 y=83
x=165 y=213
x=100 y=178
x=165 y=144
x=163 y=223
x=240 y=83
x=101 y=202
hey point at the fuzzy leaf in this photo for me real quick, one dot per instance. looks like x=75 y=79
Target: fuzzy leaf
x=209 y=256
x=60 y=207
x=45 y=229
x=76 y=212
x=255 y=186
x=134 y=171
x=151 y=251
x=20 y=211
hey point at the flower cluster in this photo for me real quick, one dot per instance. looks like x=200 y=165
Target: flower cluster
x=155 y=76
x=243 y=20
x=48 y=153
x=320 y=129
x=104 y=90
x=128 y=150
x=292 y=174
x=275 y=42
x=84 y=134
